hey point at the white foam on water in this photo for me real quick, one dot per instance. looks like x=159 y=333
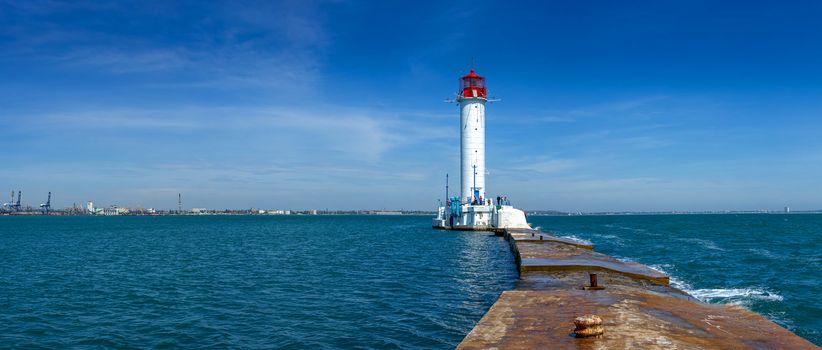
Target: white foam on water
x=764 y=253
x=612 y=239
x=673 y=280
x=626 y=228
x=606 y=236
x=624 y=259
x=580 y=240
x=704 y=243
x=733 y=295
x=661 y=268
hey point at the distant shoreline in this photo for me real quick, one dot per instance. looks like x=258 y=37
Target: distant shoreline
x=421 y=213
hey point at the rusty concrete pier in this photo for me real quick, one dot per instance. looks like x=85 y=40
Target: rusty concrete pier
x=639 y=310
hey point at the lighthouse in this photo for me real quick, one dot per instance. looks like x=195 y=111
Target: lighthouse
x=472 y=210
x=472 y=98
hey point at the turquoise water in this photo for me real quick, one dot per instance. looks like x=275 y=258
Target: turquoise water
x=354 y=281
x=768 y=263
x=244 y=282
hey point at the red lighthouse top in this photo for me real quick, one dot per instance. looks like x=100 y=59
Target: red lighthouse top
x=472 y=85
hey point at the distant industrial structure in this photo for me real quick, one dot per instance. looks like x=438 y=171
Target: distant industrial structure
x=15 y=206
x=47 y=205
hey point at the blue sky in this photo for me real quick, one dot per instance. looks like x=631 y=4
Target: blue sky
x=654 y=105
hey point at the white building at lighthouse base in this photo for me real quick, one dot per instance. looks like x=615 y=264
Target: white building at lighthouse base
x=480 y=218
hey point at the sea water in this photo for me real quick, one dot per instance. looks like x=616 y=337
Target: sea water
x=768 y=263
x=353 y=281
x=300 y=282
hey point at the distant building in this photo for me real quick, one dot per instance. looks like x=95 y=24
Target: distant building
x=314 y=212
x=110 y=211
x=279 y=212
x=90 y=207
x=199 y=210
x=787 y=209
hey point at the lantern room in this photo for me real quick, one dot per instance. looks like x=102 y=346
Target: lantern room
x=472 y=86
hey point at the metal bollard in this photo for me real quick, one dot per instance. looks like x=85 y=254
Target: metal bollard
x=594 y=285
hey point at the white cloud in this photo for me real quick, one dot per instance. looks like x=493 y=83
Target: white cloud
x=262 y=45
x=119 y=60
x=639 y=106
x=322 y=131
x=538 y=165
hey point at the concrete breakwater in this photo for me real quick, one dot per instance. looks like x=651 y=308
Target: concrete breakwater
x=562 y=279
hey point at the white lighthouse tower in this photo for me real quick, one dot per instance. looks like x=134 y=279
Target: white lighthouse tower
x=472 y=99
x=472 y=210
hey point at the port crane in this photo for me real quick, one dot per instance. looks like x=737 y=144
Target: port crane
x=46 y=206
x=16 y=206
x=12 y=205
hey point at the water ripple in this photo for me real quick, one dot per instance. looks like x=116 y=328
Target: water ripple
x=250 y=282
x=766 y=263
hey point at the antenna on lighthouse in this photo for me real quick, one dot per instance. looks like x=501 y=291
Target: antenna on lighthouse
x=446 y=188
